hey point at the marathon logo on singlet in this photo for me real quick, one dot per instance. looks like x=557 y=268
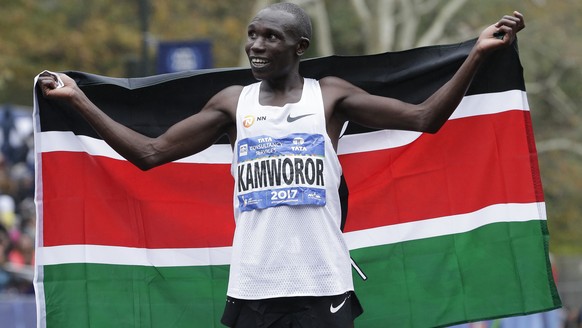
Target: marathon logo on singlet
x=281 y=171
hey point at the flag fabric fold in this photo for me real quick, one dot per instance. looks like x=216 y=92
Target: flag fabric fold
x=447 y=227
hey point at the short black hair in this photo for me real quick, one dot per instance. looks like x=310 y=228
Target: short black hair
x=303 y=25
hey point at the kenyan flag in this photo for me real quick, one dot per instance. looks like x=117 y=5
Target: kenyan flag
x=447 y=228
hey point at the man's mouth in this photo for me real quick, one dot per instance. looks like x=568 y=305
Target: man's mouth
x=259 y=62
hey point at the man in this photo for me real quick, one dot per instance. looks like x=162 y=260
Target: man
x=290 y=266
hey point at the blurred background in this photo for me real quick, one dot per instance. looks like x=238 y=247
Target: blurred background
x=135 y=38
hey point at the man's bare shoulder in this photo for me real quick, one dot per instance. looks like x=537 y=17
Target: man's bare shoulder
x=333 y=87
x=334 y=82
x=230 y=92
x=226 y=99
x=336 y=85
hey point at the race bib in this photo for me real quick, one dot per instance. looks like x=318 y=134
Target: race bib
x=281 y=171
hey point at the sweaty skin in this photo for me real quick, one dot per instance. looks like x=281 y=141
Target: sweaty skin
x=274 y=50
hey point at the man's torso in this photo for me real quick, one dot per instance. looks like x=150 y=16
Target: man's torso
x=287 y=241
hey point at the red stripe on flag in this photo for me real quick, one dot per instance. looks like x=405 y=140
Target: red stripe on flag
x=535 y=170
x=98 y=200
x=471 y=163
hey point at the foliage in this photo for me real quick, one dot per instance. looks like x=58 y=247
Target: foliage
x=102 y=37
x=552 y=57
x=60 y=35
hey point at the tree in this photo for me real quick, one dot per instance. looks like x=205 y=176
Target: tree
x=102 y=37
x=396 y=25
x=552 y=60
x=61 y=35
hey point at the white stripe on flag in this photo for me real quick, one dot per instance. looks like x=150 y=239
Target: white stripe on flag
x=475 y=105
x=357 y=239
x=160 y=257
x=67 y=141
x=446 y=225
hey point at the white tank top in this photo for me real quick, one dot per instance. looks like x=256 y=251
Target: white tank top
x=287 y=239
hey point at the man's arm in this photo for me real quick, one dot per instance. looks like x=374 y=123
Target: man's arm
x=185 y=138
x=352 y=103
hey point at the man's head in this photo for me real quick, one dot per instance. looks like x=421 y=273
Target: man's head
x=302 y=21
x=277 y=37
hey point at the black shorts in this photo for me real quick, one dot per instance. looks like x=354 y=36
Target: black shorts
x=305 y=311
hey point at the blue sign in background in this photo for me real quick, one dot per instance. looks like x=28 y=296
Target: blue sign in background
x=177 y=56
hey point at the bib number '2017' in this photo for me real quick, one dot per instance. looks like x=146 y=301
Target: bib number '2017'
x=282 y=195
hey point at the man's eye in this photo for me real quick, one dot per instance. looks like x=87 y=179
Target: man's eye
x=272 y=37
x=252 y=35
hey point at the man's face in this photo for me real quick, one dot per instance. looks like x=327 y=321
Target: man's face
x=271 y=44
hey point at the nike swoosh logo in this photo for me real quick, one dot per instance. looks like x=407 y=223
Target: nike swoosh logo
x=293 y=119
x=333 y=309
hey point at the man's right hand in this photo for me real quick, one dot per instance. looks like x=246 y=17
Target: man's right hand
x=49 y=86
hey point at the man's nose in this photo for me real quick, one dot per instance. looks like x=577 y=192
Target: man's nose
x=258 y=44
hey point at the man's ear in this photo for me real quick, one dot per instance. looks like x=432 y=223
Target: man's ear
x=302 y=46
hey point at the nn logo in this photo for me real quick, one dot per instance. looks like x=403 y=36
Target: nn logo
x=249 y=120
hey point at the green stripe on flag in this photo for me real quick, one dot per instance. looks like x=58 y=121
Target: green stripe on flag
x=473 y=273
x=98 y=295
x=467 y=285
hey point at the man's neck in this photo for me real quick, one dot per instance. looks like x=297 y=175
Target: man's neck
x=281 y=92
